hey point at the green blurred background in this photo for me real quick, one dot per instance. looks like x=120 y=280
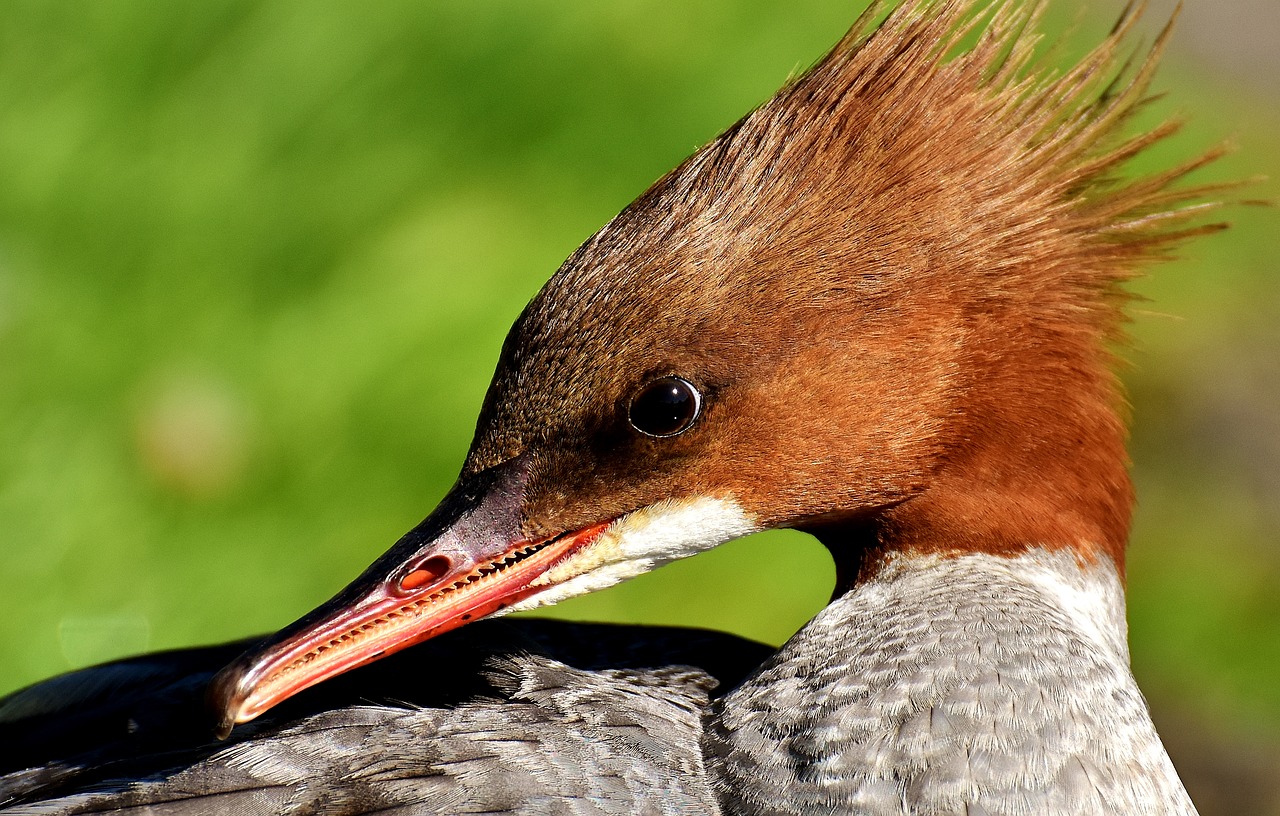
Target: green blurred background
x=257 y=259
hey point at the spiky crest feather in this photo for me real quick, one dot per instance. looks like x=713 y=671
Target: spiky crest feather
x=1044 y=156
x=929 y=217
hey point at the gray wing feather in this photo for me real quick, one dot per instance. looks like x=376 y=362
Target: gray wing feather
x=585 y=718
x=566 y=741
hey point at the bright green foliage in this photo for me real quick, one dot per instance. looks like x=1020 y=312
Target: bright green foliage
x=256 y=261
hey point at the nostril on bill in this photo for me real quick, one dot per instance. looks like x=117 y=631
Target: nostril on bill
x=428 y=572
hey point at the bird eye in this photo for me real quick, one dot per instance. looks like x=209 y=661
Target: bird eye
x=665 y=407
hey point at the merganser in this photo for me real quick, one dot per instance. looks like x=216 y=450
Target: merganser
x=877 y=309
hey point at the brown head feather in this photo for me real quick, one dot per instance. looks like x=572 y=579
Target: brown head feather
x=896 y=282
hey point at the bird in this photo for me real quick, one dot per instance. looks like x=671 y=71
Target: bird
x=882 y=308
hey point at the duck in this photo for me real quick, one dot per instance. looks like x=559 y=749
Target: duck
x=883 y=309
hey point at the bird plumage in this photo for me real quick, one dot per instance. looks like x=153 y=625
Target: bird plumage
x=951 y=685
x=529 y=717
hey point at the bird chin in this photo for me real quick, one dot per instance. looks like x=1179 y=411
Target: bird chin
x=640 y=542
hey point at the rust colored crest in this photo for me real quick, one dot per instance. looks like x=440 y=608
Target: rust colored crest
x=898 y=280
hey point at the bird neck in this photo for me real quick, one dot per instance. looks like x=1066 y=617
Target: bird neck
x=1024 y=467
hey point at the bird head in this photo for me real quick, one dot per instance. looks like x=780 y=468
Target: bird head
x=878 y=308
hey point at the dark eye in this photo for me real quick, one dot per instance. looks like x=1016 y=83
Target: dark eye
x=665 y=407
